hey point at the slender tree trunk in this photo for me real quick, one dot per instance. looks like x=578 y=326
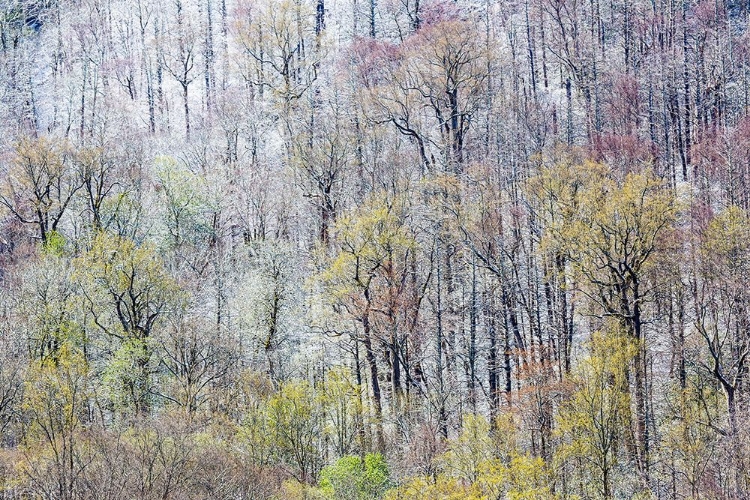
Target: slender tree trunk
x=208 y=58
x=372 y=18
x=320 y=17
x=374 y=382
x=686 y=88
x=569 y=119
x=358 y=422
x=186 y=103
x=492 y=361
x=640 y=388
x=442 y=416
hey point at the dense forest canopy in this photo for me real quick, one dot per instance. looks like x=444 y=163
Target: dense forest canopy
x=360 y=249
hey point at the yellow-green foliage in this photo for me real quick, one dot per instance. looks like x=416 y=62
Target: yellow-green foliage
x=608 y=227
x=473 y=465
x=726 y=248
x=127 y=285
x=352 y=478
x=371 y=239
x=439 y=488
x=55 y=391
x=471 y=469
x=341 y=397
x=55 y=400
x=691 y=443
x=127 y=291
x=558 y=192
x=523 y=478
x=296 y=490
x=295 y=420
x=125 y=379
x=469 y=450
x=254 y=439
x=593 y=422
x=55 y=244
x=293 y=423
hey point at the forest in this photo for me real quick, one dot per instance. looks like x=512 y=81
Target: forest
x=374 y=249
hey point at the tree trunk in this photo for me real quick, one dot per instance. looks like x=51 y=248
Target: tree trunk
x=374 y=382
x=372 y=18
